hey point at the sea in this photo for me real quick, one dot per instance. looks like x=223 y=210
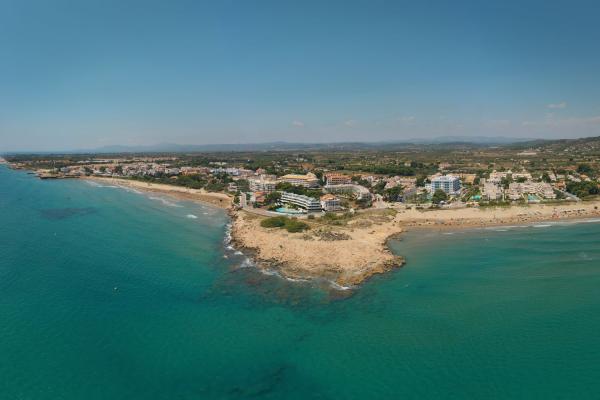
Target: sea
x=108 y=293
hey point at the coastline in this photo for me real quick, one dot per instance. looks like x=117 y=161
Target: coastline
x=346 y=263
x=346 y=255
x=444 y=219
x=365 y=251
x=220 y=200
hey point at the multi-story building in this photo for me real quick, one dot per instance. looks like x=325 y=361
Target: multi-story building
x=541 y=189
x=227 y=171
x=330 y=202
x=194 y=170
x=309 y=180
x=447 y=183
x=334 y=178
x=358 y=191
x=262 y=185
x=491 y=191
x=308 y=203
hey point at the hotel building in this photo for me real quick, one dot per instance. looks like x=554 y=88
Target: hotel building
x=309 y=180
x=308 y=203
x=447 y=183
x=262 y=185
x=337 y=179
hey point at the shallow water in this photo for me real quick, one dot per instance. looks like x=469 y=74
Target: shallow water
x=107 y=293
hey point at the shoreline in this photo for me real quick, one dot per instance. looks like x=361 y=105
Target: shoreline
x=507 y=225
x=346 y=260
x=363 y=250
x=219 y=200
x=444 y=219
x=291 y=255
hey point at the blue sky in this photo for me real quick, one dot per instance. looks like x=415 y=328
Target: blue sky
x=79 y=74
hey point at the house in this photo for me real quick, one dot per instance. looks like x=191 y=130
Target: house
x=330 y=202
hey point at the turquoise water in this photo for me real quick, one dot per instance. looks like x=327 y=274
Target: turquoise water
x=285 y=210
x=108 y=294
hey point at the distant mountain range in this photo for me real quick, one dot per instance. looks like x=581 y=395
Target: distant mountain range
x=446 y=141
x=289 y=146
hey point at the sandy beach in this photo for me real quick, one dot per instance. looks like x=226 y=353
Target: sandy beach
x=220 y=200
x=492 y=216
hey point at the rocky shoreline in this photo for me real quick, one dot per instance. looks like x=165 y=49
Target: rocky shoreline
x=307 y=256
x=350 y=254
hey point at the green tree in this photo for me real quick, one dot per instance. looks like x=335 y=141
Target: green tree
x=438 y=196
x=583 y=189
x=584 y=169
x=505 y=182
x=393 y=193
x=272 y=198
x=546 y=177
x=379 y=187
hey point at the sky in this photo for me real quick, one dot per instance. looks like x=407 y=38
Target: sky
x=85 y=74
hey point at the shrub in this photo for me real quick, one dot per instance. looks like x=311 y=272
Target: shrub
x=273 y=222
x=290 y=225
x=293 y=225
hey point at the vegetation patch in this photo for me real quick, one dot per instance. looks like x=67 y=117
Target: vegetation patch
x=291 y=225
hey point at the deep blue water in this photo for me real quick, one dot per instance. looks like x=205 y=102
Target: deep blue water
x=109 y=294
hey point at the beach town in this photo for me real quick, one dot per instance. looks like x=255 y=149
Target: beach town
x=306 y=220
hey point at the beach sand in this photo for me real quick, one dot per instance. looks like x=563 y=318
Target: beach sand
x=492 y=216
x=220 y=200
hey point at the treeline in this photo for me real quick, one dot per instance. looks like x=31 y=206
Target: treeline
x=216 y=183
x=583 y=189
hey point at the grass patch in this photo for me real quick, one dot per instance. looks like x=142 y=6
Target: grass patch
x=291 y=225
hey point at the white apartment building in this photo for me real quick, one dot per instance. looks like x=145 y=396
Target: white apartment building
x=360 y=192
x=542 y=189
x=333 y=178
x=308 y=203
x=492 y=191
x=262 y=185
x=449 y=184
x=330 y=202
x=309 y=180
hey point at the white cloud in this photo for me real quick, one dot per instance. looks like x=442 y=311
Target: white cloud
x=298 y=124
x=350 y=123
x=409 y=118
x=560 y=105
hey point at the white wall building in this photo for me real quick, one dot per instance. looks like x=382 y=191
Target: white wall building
x=308 y=203
x=449 y=184
x=261 y=185
x=330 y=202
x=309 y=180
